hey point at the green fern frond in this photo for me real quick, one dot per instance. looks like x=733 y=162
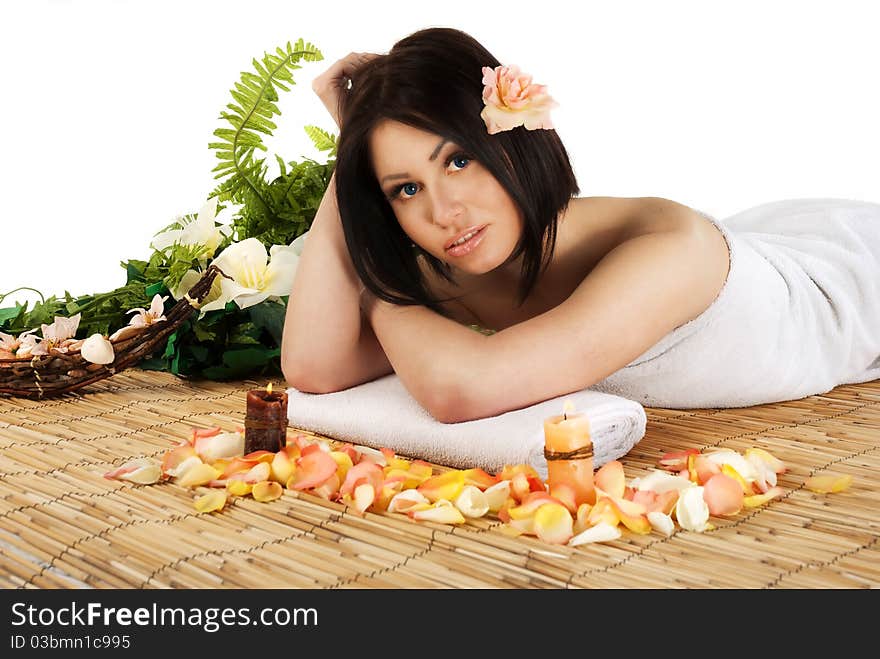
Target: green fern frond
x=322 y=140
x=249 y=117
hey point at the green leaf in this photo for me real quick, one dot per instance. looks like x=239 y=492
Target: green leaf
x=322 y=140
x=10 y=313
x=245 y=334
x=269 y=316
x=202 y=333
x=241 y=363
x=153 y=289
x=200 y=353
x=134 y=270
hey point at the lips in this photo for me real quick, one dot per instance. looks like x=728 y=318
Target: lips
x=452 y=240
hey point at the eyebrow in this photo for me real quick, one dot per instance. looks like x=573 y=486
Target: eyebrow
x=406 y=175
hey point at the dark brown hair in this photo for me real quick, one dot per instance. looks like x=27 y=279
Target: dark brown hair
x=432 y=80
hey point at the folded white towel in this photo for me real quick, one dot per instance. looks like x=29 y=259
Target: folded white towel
x=382 y=413
x=799 y=314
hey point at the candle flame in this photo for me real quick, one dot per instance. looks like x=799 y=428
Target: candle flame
x=269 y=388
x=567 y=407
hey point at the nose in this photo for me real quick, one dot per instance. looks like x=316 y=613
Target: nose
x=445 y=209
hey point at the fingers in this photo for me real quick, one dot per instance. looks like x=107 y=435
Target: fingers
x=343 y=69
x=330 y=85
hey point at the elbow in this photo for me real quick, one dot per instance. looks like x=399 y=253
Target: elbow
x=299 y=375
x=451 y=404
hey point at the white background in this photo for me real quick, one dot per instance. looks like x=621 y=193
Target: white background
x=107 y=108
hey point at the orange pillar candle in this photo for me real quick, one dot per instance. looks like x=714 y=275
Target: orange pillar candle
x=265 y=425
x=568 y=449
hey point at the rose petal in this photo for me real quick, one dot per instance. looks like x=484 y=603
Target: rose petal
x=723 y=495
x=259 y=472
x=828 y=484
x=144 y=475
x=472 y=502
x=403 y=501
x=661 y=522
x=282 y=467
x=238 y=487
x=553 y=523
x=601 y=532
x=497 y=495
x=128 y=467
x=676 y=461
x=364 y=471
x=326 y=490
x=364 y=495
x=479 y=478
x=210 y=502
x=728 y=456
x=313 y=469
x=753 y=454
x=761 y=499
x=441 y=511
x=729 y=470
x=691 y=510
x=443 y=486
x=603 y=512
x=199 y=474
x=219 y=446
x=632 y=514
x=266 y=491
x=661 y=481
x=611 y=479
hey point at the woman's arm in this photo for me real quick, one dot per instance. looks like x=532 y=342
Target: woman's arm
x=640 y=291
x=327 y=344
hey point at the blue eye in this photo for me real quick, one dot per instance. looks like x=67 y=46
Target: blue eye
x=408 y=190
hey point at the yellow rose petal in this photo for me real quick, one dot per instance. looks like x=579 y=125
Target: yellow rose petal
x=266 y=491
x=212 y=501
x=238 y=487
x=828 y=484
x=199 y=474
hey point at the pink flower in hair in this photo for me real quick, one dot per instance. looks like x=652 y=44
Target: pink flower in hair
x=513 y=100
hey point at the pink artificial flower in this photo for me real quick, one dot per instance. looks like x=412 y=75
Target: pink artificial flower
x=512 y=100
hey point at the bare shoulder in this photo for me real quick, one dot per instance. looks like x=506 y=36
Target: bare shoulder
x=636 y=215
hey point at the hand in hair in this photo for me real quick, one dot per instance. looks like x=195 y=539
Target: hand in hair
x=331 y=85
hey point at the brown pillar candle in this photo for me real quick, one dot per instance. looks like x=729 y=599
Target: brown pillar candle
x=265 y=425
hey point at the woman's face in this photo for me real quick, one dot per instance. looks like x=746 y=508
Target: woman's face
x=437 y=192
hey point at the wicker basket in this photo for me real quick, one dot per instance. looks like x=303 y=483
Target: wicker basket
x=57 y=373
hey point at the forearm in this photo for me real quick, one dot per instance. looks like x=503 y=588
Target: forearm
x=434 y=356
x=323 y=323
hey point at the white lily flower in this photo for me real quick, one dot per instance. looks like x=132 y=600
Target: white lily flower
x=62 y=328
x=149 y=316
x=27 y=342
x=9 y=342
x=299 y=243
x=255 y=275
x=201 y=231
x=54 y=334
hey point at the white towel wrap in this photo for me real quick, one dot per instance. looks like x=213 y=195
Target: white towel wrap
x=798 y=315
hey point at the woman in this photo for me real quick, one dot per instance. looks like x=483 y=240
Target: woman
x=439 y=221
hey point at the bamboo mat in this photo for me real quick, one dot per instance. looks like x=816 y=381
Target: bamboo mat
x=62 y=525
